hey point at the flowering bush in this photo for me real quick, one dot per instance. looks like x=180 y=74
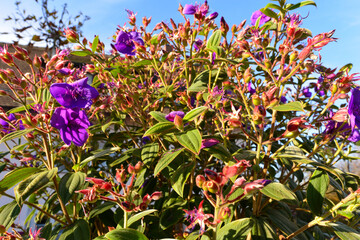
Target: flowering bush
x=189 y=130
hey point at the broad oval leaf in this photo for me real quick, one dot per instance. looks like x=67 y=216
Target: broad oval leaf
x=292 y=106
x=201 y=81
x=214 y=39
x=166 y=159
x=101 y=208
x=159 y=128
x=81 y=53
x=344 y=232
x=95 y=44
x=79 y=230
x=69 y=184
x=194 y=113
x=180 y=176
x=8 y=214
x=191 y=140
x=140 y=215
x=279 y=192
x=301 y=4
x=316 y=190
x=15 y=176
x=159 y=116
x=104 y=152
x=15 y=134
x=32 y=184
x=143 y=62
x=149 y=153
x=268 y=12
x=125 y=234
x=238 y=229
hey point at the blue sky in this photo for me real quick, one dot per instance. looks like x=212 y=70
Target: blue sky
x=106 y=15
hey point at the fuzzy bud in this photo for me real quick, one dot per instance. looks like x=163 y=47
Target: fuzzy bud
x=200 y=179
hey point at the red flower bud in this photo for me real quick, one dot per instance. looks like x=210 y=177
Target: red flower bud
x=156 y=195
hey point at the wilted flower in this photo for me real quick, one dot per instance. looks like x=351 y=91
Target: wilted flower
x=255 y=185
x=258 y=14
x=74 y=95
x=171 y=116
x=197 y=216
x=124 y=42
x=236 y=169
x=72 y=124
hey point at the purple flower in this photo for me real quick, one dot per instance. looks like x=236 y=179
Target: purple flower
x=206 y=143
x=72 y=124
x=354 y=109
x=283 y=99
x=190 y=9
x=171 y=116
x=202 y=10
x=197 y=216
x=306 y=92
x=66 y=71
x=258 y=14
x=124 y=42
x=250 y=89
x=197 y=44
x=7 y=128
x=74 y=95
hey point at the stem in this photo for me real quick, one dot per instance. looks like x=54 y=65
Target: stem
x=37 y=208
x=125 y=219
x=63 y=207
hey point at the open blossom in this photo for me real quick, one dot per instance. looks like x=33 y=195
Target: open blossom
x=74 y=95
x=354 y=109
x=124 y=42
x=5 y=127
x=202 y=10
x=258 y=14
x=72 y=124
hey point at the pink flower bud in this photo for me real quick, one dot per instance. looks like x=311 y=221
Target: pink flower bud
x=131 y=169
x=120 y=175
x=200 y=179
x=138 y=167
x=156 y=195
x=71 y=35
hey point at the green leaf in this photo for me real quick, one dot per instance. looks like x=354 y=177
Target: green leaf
x=16 y=134
x=194 y=113
x=274 y=6
x=32 y=184
x=126 y=155
x=99 y=154
x=2 y=167
x=283 y=223
x=149 y=152
x=301 y=4
x=8 y=214
x=125 y=234
x=15 y=176
x=101 y=208
x=347 y=68
x=95 y=44
x=268 y=12
x=81 y=53
x=220 y=152
x=201 y=81
x=159 y=128
x=79 y=230
x=166 y=159
x=214 y=39
x=262 y=230
x=180 y=176
x=291 y=106
x=70 y=183
x=159 y=116
x=144 y=62
x=344 y=232
x=316 y=190
x=191 y=140
x=20 y=109
x=238 y=229
x=140 y=215
x=279 y=192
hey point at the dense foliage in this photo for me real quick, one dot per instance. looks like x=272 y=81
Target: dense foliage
x=191 y=130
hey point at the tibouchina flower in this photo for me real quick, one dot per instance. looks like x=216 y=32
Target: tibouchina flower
x=125 y=42
x=206 y=143
x=171 y=116
x=72 y=124
x=354 y=109
x=7 y=128
x=256 y=15
x=74 y=95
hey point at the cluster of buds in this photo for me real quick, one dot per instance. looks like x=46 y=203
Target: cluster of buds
x=126 y=199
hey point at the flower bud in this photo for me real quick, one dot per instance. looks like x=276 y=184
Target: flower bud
x=120 y=175
x=224 y=213
x=71 y=35
x=156 y=195
x=257 y=119
x=256 y=100
x=178 y=121
x=211 y=186
x=247 y=75
x=200 y=179
x=224 y=27
x=131 y=169
x=293 y=56
x=138 y=167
